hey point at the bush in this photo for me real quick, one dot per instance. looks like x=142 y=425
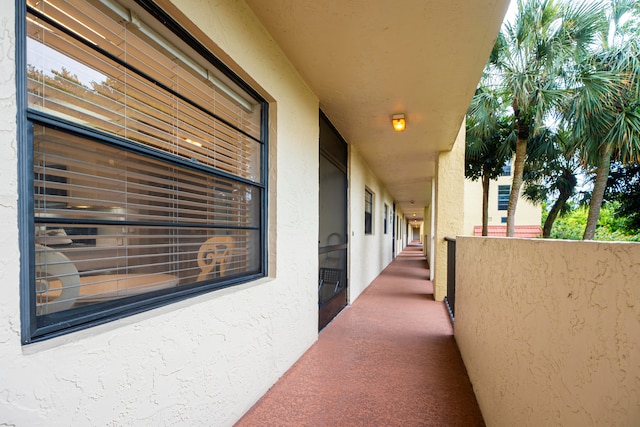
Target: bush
x=611 y=227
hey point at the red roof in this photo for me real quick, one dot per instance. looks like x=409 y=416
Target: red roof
x=524 y=231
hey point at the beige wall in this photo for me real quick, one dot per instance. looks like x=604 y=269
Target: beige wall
x=368 y=254
x=426 y=230
x=449 y=214
x=550 y=330
x=527 y=213
x=204 y=360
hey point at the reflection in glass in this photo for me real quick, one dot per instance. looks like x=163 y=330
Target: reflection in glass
x=126 y=224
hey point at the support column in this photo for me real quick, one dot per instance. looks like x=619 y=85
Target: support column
x=427 y=230
x=448 y=209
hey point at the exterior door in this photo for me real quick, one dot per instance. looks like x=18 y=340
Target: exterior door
x=332 y=236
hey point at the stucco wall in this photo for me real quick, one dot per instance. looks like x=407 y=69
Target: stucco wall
x=426 y=231
x=368 y=254
x=550 y=330
x=449 y=212
x=527 y=213
x=206 y=360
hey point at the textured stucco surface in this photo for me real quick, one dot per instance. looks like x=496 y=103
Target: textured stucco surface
x=206 y=360
x=449 y=209
x=550 y=330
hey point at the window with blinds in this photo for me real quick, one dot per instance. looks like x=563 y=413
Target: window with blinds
x=147 y=158
x=368 y=211
x=503 y=197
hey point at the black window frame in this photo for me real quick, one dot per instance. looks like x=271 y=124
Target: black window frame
x=368 y=214
x=34 y=329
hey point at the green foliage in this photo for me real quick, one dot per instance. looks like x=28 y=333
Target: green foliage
x=533 y=67
x=551 y=166
x=485 y=155
x=551 y=173
x=573 y=65
x=623 y=187
x=488 y=148
x=611 y=227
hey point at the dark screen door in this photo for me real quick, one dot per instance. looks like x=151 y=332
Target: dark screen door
x=332 y=235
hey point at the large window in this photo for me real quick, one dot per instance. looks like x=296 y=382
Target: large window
x=142 y=166
x=368 y=211
x=503 y=197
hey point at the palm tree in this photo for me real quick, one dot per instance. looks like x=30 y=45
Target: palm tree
x=552 y=173
x=603 y=107
x=529 y=64
x=487 y=143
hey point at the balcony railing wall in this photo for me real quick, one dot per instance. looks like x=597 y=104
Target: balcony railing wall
x=550 y=330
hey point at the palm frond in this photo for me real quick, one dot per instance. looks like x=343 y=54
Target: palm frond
x=625 y=131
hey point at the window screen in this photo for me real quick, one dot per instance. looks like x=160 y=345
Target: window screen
x=148 y=178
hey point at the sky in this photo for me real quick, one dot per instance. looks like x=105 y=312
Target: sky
x=511 y=12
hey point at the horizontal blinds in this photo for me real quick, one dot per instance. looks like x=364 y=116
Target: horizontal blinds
x=110 y=222
x=81 y=179
x=124 y=224
x=178 y=115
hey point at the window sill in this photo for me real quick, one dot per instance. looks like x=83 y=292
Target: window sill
x=152 y=314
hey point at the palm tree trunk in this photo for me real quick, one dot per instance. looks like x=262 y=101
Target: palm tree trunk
x=602 y=175
x=485 y=205
x=518 y=170
x=553 y=213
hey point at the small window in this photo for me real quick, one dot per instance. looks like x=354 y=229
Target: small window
x=503 y=197
x=506 y=169
x=368 y=212
x=146 y=176
x=503 y=220
x=386 y=217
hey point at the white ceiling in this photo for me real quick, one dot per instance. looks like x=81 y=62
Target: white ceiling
x=369 y=59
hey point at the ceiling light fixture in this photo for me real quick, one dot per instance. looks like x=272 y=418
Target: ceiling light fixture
x=399 y=122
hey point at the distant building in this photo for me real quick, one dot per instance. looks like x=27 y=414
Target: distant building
x=528 y=215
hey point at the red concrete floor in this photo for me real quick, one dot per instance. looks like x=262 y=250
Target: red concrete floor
x=390 y=359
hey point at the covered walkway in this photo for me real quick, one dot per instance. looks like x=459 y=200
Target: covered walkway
x=390 y=359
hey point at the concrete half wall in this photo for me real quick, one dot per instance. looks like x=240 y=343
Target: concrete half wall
x=550 y=330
